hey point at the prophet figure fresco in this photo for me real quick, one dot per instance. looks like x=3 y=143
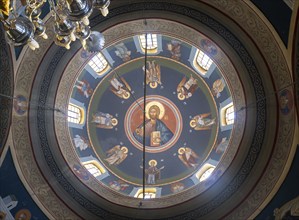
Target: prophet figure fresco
x=84 y=88
x=116 y=155
x=186 y=88
x=153 y=173
x=188 y=157
x=221 y=147
x=80 y=172
x=209 y=47
x=156 y=132
x=118 y=185
x=218 y=87
x=201 y=122
x=153 y=74
x=175 y=49
x=81 y=142
x=177 y=187
x=120 y=87
x=123 y=52
x=104 y=120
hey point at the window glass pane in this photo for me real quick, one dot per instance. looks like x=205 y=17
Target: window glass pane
x=93 y=169
x=98 y=63
x=147 y=195
x=74 y=114
x=203 y=60
x=152 y=41
x=206 y=174
x=229 y=115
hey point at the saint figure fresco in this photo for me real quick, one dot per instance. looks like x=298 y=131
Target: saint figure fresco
x=175 y=49
x=80 y=142
x=120 y=87
x=153 y=74
x=209 y=47
x=104 y=120
x=123 y=52
x=118 y=185
x=188 y=157
x=84 y=88
x=116 y=155
x=202 y=122
x=218 y=87
x=153 y=173
x=185 y=89
x=177 y=187
x=156 y=131
x=80 y=172
x=221 y=147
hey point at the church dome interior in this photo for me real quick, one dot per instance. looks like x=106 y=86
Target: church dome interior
x=189 y=110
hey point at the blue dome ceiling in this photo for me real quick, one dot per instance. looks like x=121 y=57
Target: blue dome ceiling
x=184 y=149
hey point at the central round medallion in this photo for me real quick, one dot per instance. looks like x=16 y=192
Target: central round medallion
x=163 y=124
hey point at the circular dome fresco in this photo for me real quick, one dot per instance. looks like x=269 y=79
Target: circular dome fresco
x=170 y=104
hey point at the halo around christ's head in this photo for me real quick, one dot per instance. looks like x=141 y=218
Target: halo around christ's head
x=152 y=103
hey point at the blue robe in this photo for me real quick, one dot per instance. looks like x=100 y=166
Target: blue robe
x=166 y=134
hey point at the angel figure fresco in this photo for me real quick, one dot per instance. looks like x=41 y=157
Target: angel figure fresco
x=123 y=52
x=120 y=87
x=104 y=120
x=221 y=147
x=116 y=155
x=188 y=157
x=84 y=88
x=153 y=74
x=218 y=87
x=80 y=142
x=175 y=49
x=186 y=88
x=202 y=122
x=153 y=173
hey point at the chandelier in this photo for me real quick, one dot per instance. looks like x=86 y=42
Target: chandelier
x=71 y=22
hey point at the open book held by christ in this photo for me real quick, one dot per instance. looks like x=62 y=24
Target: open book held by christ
x=155 y=138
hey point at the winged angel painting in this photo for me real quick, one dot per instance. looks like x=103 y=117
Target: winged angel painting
x=104 y=120
x=202 y=122
x=120 y=87
x=185 y=89
x=116 y=155
x=153 y=74
x=188 y=157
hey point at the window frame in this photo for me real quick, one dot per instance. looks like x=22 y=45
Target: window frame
x=93 y=63
x=76 y=110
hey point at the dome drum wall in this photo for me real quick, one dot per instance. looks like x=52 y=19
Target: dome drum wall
x=219 y=199
x=6 y=89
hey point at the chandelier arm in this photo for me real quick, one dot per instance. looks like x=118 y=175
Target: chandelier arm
x=53 y=8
